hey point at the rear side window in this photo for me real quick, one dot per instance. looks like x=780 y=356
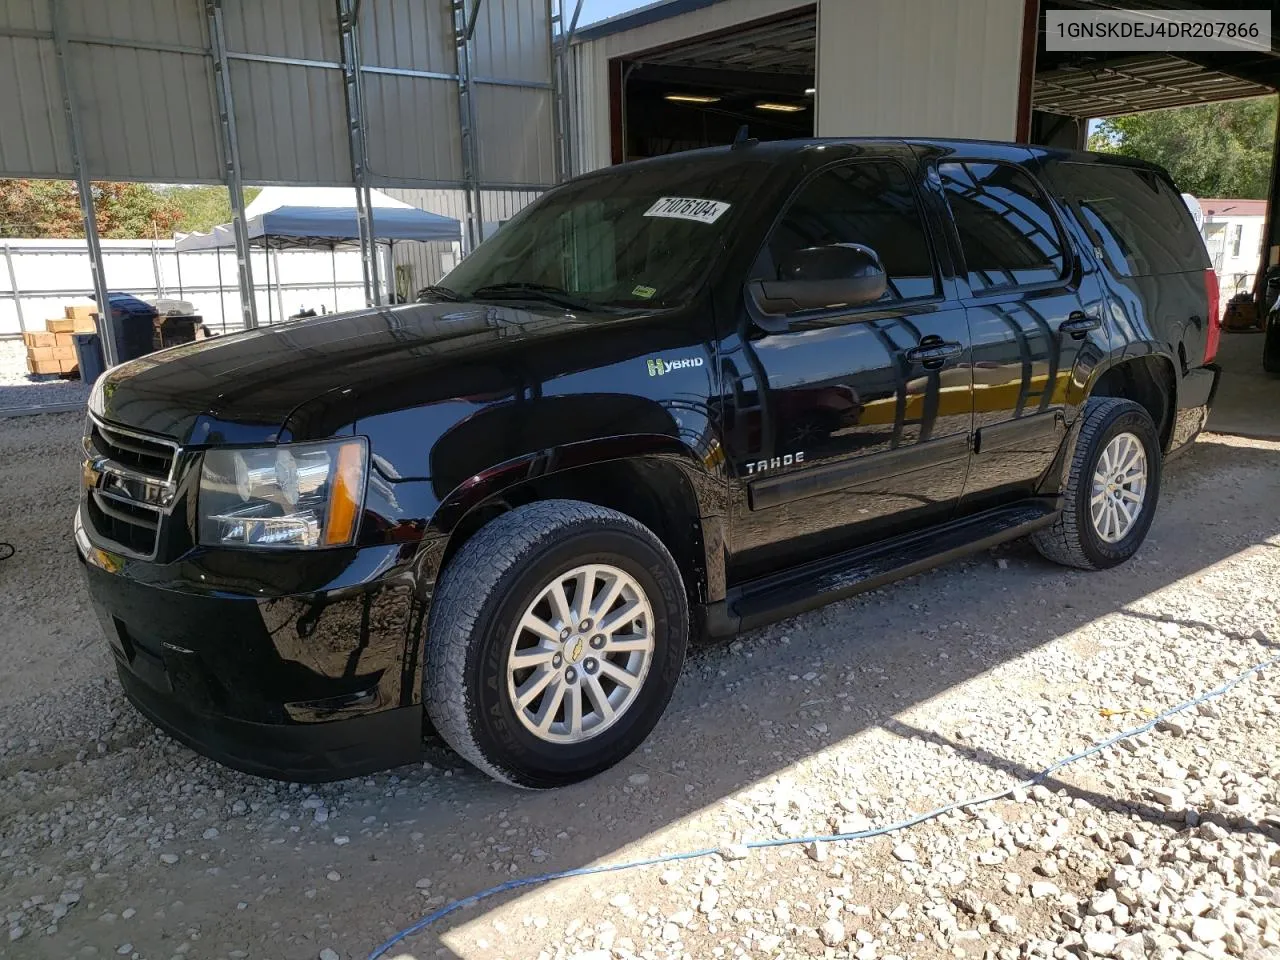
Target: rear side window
x=1008 y=235
x=1135 y=218
x=869 y=202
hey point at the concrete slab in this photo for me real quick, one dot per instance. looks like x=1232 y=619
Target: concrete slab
x=1248 y=400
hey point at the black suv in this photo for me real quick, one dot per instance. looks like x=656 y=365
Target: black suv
x=681 y=397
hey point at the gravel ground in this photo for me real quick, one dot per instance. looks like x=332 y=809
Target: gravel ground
x=18 y=389
x=116 y=841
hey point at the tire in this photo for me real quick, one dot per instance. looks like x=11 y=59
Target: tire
x=1075 y=540
x=1271 y=344
x=501 y=575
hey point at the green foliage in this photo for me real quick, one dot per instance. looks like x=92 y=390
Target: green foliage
x=51 y=209
x=203 y=208
x=1211 y=150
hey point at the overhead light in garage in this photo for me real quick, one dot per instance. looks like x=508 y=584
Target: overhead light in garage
x=691 y=98
x=810 y=91
x=781 y=107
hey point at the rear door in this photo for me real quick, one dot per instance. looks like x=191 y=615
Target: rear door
x=848 y=425
x=1020 y=284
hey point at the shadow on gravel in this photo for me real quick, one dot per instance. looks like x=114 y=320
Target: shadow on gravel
x=1103 y=801
x=742 y=715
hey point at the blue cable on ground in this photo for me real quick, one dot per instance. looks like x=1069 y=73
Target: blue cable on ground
x=520 y=882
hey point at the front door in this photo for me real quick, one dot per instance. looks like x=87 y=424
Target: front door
x=846 y=426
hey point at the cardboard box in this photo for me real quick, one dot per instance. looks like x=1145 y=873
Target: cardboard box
x=51 y=366
x=60 y=325
x=40 y=339
x=64 y=340
x=51 y=353
x=83 y=317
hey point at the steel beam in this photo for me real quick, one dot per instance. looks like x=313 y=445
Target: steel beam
x=358 y=144
x=464 y=22
x=83 y=184
x=13 y=285
x=563 y=86
x=231 y=161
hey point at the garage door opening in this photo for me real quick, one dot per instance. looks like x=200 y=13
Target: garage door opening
x=701 y=91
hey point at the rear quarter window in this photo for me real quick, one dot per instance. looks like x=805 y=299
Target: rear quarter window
x=1137 y=221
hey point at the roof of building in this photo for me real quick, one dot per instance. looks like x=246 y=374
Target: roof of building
x=1219 y=207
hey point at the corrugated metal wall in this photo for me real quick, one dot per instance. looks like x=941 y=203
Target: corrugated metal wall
x=590 y=65
x=932 y=68
x=142 y=78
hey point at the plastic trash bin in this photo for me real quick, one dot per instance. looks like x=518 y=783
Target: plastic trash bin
x=89 y=356
x=131 y=326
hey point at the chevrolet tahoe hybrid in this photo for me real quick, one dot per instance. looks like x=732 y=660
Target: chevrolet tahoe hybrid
x=671 y=399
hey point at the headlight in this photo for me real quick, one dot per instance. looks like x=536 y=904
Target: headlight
x=293 y=495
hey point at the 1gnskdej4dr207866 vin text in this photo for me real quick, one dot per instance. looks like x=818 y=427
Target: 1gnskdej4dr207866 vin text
x=675 y=398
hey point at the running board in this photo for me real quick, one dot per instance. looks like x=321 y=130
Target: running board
x=816 y=584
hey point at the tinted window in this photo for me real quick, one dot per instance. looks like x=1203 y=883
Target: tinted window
x=1007 y=234
x=869 y=202
x=1135 y=217
x=638 y=238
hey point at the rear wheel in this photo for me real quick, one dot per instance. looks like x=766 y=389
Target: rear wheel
x=555 y=641
x=1113 y=484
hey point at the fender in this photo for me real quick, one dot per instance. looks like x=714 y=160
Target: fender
x=703 y=474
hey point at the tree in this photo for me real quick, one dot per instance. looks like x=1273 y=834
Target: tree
x=51 y=208
x=1211 y=150
x=203 y=208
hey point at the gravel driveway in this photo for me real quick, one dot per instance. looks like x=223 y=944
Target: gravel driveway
x=116 y=841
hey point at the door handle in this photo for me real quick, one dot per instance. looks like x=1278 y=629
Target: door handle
x=1078 y=324
x=933 y=353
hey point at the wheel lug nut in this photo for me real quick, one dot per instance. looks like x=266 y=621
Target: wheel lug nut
x=589 y=665
x=571 y=675
x=597 y=641
x=557 y=660
x=566 y=633
x=584 y=626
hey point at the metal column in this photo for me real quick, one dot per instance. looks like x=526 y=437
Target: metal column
x=83 y=184
x=563 y=77
x=349 y=29
x=464 y=28
x=231 y=161
x=13 y=285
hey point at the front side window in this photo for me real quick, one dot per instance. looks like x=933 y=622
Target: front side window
x=1007 y=234
x=868 y=202
x=645 y=238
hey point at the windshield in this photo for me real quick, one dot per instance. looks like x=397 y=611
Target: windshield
x=642 y=238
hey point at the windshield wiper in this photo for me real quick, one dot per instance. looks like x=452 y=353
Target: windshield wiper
x=521 y=290
x=444 y=293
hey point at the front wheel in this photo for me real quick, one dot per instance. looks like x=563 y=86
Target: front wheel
x=555 y=641
x=1112 y=485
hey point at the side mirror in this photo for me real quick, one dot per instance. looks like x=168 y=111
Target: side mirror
x=839 y=274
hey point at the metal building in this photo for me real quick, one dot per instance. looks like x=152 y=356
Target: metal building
x=416 y=94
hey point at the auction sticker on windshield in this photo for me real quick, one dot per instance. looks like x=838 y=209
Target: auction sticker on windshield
x=688 y=208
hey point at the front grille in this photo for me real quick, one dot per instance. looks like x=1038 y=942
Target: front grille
x=129 y=525
x=151 y=458
x=131 y=486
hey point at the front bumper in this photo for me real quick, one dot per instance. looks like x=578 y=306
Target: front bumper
x=317 y=682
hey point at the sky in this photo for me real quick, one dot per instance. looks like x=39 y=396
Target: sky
x=593 y=10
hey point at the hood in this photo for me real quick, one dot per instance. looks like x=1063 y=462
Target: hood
x=255 y=387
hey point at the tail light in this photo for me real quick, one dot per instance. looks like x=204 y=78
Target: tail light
x=1213 y=332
